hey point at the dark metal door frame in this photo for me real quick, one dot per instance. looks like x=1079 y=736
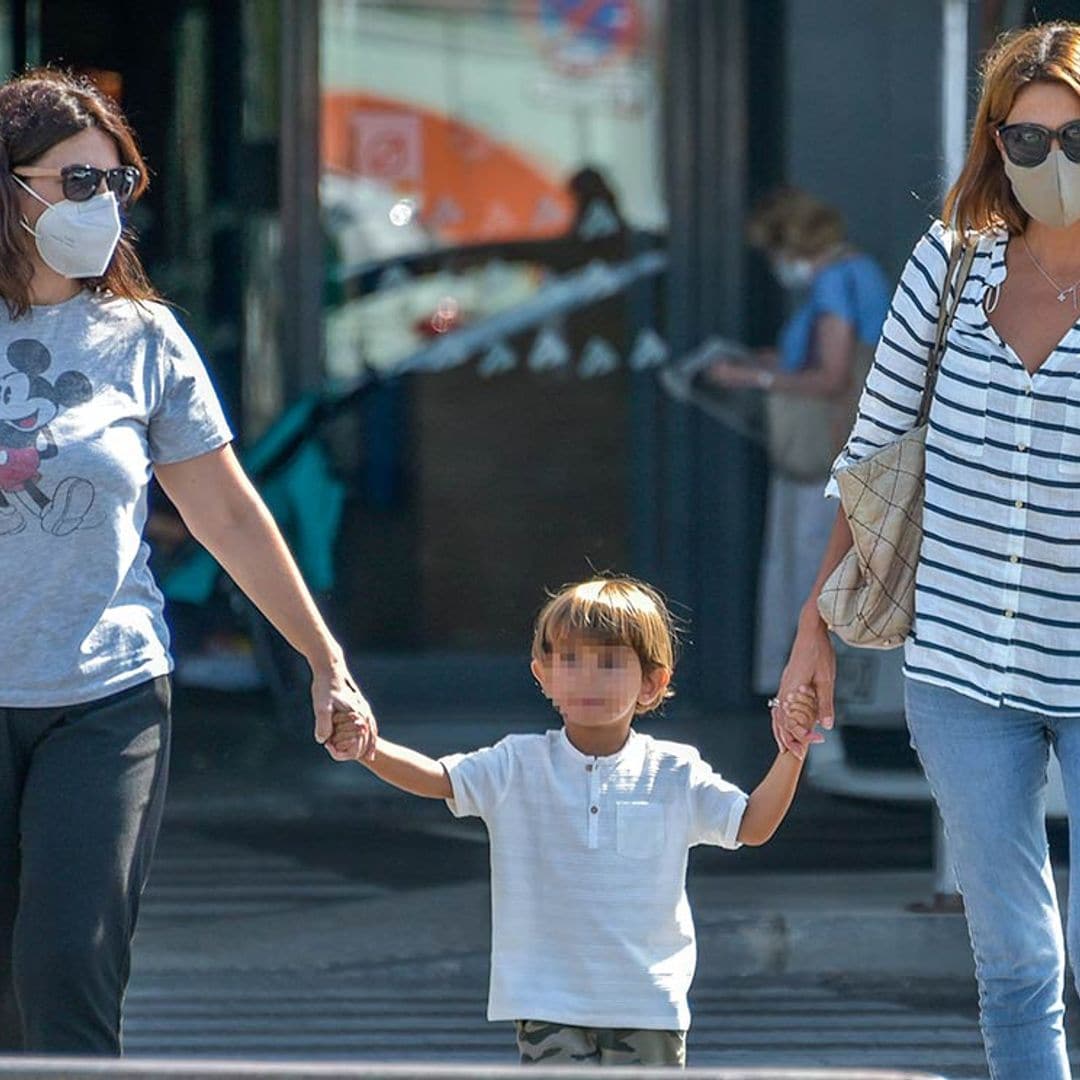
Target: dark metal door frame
x=708 y=508
x=301 y=229
x=25 y=33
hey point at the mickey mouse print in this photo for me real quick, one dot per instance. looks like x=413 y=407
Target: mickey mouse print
x=29 y=402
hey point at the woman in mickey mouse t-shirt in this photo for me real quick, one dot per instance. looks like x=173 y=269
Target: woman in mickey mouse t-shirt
x=99 y=389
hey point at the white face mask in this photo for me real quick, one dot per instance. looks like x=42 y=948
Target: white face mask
x=1049 y=191
x=792 y=273
x=76 y=239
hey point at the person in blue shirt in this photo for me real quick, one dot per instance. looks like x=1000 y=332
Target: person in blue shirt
x=839 y=298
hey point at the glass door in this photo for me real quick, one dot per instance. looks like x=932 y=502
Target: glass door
x=495 y=229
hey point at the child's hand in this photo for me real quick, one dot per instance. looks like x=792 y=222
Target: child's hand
x=801 y=706
x=350 y=739
x=344 y=741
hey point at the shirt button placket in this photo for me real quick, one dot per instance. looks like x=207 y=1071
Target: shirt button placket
x=594 y=804
x=1013 y=576
x=1022 y=466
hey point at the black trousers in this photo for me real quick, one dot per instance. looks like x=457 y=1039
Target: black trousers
x=81 y=794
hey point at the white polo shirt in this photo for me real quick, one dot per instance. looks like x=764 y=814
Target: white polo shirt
x=591 y=925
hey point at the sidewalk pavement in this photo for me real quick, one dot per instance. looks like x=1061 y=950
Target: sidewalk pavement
x=84 y=1069
x=829 y=898
x=838 y=924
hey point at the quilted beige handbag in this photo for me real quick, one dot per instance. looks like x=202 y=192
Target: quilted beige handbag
x=869 y=599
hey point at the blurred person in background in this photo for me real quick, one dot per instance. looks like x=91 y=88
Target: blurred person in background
x=100 y=389
x=839 y=297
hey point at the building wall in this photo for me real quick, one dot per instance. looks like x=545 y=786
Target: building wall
x=864 y=115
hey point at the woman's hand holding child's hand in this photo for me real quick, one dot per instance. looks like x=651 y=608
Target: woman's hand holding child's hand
x=811 y=666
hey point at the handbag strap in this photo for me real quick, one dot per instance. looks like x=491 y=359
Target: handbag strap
x=956 y=275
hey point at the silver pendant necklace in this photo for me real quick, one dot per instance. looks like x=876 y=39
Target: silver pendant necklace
x=1062 y=292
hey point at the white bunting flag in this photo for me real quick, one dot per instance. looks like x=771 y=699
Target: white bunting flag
x=598 y=358
x=499 y=358
x=598 y=221
x=549 y=351
x=649 y=351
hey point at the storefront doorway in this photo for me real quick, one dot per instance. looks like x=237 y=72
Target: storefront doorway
x=492 y=192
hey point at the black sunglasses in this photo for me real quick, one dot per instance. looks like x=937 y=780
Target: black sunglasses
x=1028 y=145
x=80 y=182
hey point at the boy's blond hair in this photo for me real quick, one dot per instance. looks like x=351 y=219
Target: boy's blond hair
x=611 y=611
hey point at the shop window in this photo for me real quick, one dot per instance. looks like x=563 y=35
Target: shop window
x=491 y=199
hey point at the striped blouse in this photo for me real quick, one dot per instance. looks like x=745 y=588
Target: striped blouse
x=997 y=609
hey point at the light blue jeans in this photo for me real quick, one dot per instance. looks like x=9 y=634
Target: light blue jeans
x=987 y=772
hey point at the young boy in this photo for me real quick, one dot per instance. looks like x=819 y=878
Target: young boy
x=593 y=944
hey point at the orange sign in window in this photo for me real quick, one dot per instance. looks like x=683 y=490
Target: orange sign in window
x=468 y=187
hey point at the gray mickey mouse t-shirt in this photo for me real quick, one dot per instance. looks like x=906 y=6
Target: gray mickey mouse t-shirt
x=93 y=393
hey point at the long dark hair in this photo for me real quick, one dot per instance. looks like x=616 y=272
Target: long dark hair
x=39 y=109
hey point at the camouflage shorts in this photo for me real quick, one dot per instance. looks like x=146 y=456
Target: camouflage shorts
x=557 y=1044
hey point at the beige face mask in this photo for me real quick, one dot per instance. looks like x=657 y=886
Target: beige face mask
x=1049 y=191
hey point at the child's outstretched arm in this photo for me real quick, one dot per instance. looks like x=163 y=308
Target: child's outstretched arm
x=771 y=799
x=398 y=765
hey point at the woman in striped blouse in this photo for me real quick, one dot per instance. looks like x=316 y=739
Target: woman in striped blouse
x=993 y=662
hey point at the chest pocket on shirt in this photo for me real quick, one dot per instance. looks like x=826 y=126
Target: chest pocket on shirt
x=639 y=829
x=958 y=411
x=1069 y=461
